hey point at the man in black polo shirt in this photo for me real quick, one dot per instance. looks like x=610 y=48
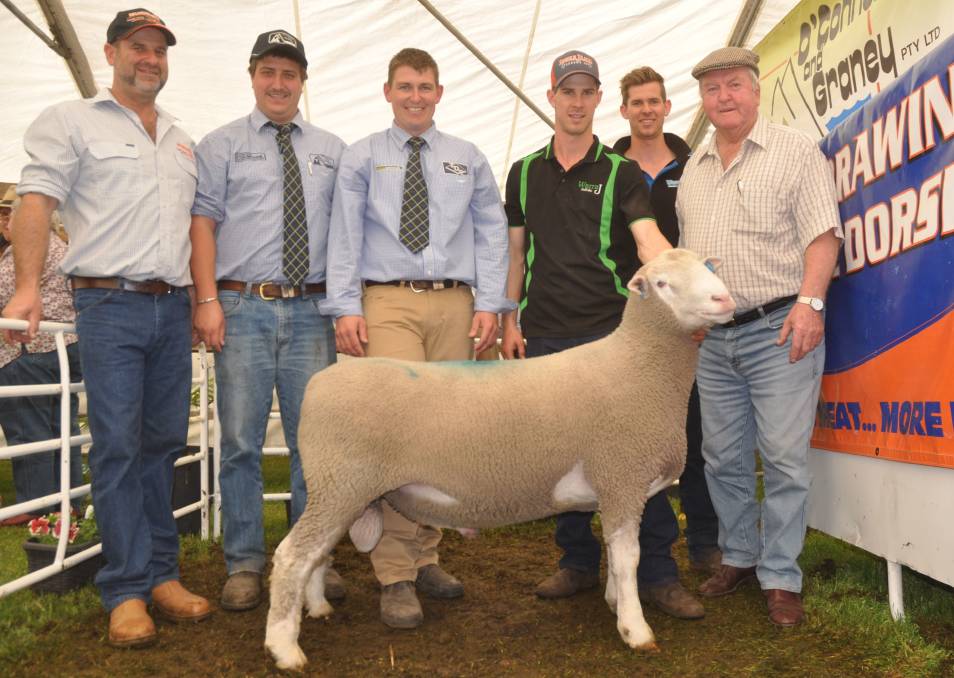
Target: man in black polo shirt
x=581 y=214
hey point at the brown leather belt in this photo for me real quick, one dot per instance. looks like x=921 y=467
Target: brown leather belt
x=419 y=285
x=82 y=282
x=269 y=291
x=759 y=311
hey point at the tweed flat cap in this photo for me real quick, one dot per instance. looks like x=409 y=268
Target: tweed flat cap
x=727 y=57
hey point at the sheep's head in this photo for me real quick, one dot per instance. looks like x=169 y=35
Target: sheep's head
x=687 y=284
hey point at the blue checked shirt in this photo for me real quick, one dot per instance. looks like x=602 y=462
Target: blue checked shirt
x=124 y=199
x=240 y=189
x=468 y=228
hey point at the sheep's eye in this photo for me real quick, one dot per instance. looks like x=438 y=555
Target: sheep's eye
x=660 y=283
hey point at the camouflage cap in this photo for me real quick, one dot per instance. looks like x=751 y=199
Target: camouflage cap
x=725 y=58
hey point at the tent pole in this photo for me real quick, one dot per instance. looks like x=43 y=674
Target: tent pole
x=485 y=61
x=737 y=38
x=67 y=44
x=297 y=10
x=516 y=102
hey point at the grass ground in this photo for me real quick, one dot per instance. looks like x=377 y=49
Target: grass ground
x=499 y=627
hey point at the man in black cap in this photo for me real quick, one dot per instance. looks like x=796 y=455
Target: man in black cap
x=105 y=162
x=590 y=222
x=259 y=240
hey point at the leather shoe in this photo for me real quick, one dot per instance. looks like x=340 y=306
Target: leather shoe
x=334 y=585
x=672 y=599
x=130 y=625
x=784 y=607
x=400 y=608
x=434 y=582
x=566 y=582
x=176 y=604
x=242 y=591
x=710 y=561
x=726 y=580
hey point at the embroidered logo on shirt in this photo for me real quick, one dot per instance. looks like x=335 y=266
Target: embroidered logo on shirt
x=186 y=151
x=321 y=159
x=672 y=183
x=457 y=168
x=242 y=157
x=586 y=187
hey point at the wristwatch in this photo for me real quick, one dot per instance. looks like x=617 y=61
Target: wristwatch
x=816 y=303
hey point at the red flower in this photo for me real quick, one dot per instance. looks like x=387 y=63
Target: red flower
x=39 y=526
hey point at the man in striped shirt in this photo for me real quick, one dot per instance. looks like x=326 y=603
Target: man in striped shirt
x=760 y=197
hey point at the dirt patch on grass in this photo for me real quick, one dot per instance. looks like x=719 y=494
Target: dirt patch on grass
x=498 y=628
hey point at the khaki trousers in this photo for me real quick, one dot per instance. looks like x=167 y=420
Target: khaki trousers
x=430 y=326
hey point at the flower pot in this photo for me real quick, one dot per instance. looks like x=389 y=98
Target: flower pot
x=40 y=555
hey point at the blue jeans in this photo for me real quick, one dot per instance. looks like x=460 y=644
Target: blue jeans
x=278 y=344
x=136 y=355
x=753 y=398
x=36 y=418
x=657 y=531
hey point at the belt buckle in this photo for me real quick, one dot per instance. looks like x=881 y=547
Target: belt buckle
x=261 y=291
x=414 y=289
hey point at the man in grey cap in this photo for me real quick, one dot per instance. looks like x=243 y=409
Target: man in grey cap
x=259 y=240
x=122 y=174
x=760 y=197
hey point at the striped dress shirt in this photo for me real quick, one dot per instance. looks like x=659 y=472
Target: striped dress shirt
x=468 y=229
x=759 y=214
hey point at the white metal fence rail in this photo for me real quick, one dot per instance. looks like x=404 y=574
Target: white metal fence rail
x=66 y=441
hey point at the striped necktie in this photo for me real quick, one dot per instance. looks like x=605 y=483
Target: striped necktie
x=295 y=228
x=414 y=217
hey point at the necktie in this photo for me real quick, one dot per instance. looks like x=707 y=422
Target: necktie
x=295 y=227
x=414 y=219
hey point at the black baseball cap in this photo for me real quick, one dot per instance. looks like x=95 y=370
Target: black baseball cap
x=280 y=42
x=129 y=21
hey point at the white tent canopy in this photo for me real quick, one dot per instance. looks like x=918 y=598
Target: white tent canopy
x=349 y=43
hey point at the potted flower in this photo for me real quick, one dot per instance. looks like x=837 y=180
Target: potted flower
x=41 y=550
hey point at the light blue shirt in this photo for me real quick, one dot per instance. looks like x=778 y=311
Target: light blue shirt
x=468 y=229
x=240 y=189
x=124 y=198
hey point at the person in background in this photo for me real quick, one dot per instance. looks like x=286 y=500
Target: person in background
x=29 y=419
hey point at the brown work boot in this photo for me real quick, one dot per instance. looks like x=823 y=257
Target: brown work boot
x=130 y=625
x=672 y=599
x=710 y=561
x=566 y=582
x=434 y=582
x=784 y=607
x=242 y=591
x=400 y=608
x=726 y=580
x=175 y=603
x=334 y=585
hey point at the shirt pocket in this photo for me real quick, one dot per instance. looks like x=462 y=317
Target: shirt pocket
x=761 y=209
x=319 y=185
x=116 y=168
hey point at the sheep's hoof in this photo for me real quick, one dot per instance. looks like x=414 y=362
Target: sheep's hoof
x=288 y=658
x=323 y=609
x=649 y=648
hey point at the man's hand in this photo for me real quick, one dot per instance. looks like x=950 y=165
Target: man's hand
x=24 y=305
x=512 y=344
x=209 y=325
x=807 y=328
x=351 y=335
x=699 y=335
x=485 y=326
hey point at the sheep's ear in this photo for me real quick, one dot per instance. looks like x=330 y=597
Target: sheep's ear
x=639 y=284
x=712 y=263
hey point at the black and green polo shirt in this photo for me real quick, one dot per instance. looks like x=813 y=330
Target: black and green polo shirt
x=579 y=251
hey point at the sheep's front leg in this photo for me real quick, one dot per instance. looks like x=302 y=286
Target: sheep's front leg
x=623 y=547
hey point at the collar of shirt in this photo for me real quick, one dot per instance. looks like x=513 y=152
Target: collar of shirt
x=258 y=120
x=758 y=135
x=105 y=96
x=399 y=136
x=593 y=153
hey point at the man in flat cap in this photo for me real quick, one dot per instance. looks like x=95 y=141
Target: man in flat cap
x=259 y=242
x=581 y=220
x=123 y=176
x=760 y=197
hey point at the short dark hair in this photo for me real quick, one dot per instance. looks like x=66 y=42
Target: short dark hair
x=417 y=59
x=253 y=64
x=640 y=76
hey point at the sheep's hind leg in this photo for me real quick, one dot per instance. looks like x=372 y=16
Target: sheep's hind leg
x=610 y=594
x=315 y=601
x=623 y=547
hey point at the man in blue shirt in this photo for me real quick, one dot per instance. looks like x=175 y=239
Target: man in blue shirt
x=259 y=236
x=417 y=266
